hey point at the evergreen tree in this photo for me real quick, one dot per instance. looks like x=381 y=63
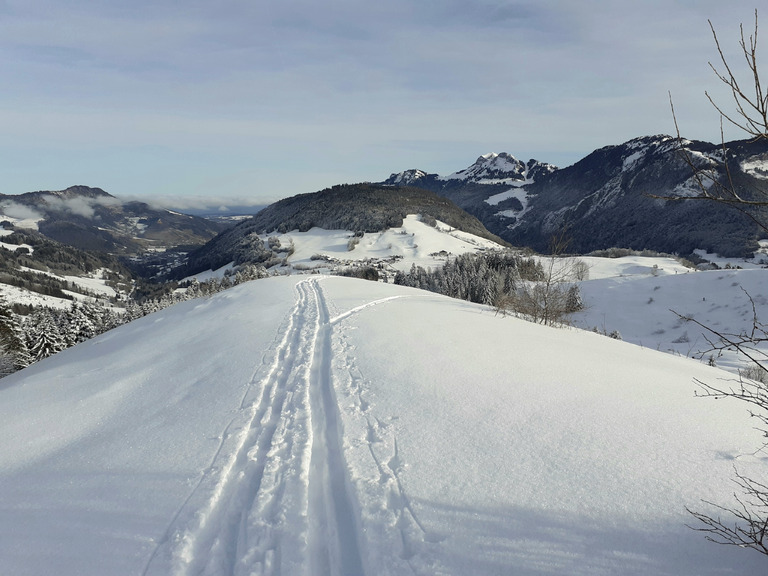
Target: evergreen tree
x=12 y=340
x=78 y=327
x=44 y=336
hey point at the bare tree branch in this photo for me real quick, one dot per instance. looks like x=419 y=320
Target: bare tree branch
x=715 y=182
x=752 y=110
x=747 y=523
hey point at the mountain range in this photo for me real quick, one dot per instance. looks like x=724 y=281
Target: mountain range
x=92 y=219
x=60 y=245
x=610 y=198
x=614 y=197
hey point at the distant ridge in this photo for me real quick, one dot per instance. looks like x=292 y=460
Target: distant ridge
x=356 y=207
x=92 y=219
x=606 y=199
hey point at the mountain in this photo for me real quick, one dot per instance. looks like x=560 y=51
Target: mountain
x=490 y=175
x=358 y=208
x=325 y=425
x=37 y=271
x=490 y=169
x=83 y=243
x=502 y=169
x=606 y=199
x=91 y=219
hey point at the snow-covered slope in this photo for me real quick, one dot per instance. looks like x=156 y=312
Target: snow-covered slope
x=323 y=425
x=394 y=249
x=644 y=298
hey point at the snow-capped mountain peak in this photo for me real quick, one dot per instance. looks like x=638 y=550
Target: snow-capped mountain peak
x=406 y=178
x=501 y=168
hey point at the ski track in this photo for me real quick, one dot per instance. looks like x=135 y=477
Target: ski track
x=334 y=529
x=276 y=498
x=356 y=309
x=387 y=500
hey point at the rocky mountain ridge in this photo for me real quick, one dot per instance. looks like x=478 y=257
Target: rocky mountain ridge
x=611 y=198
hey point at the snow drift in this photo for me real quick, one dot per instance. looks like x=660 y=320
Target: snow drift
x=320 y=425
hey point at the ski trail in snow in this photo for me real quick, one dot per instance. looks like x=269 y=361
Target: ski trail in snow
x=356 y=309
x=333 y=538
x=387 y=512
x=276 y=498
x=218 y=539
x=215 y=475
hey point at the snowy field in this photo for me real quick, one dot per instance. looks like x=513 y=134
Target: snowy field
x=636 y=296
x=94 y=284
x=324 y=425
x=643 y=298
x=412 y=243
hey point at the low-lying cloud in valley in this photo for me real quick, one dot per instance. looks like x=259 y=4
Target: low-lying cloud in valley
x=79 y=206
x=18 y=211
x=200 y=204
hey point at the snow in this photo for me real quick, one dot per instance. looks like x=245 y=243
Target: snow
x=94 y=282
x=759 y=260
x=209 y=274
x=14 y=247
x=642 y=297
x=408 y=177
x=631 y=160
x=601 y=268
x=521 y=195
x=16 y=295
x=412 y=243
x=692 y=187
x=325 y=425
x=492 y=163
x=756 y=166
x=24 y=217
x=137 y=224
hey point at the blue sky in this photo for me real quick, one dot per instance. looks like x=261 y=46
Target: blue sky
x=197 y=102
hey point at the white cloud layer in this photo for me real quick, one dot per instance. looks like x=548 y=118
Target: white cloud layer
x=263 y=100
x=17 y=211
x=80 y=206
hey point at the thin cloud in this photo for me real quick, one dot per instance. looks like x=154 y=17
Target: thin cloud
x=18 y=211
x=288 y=90
x=78 y=206
x=201 y=203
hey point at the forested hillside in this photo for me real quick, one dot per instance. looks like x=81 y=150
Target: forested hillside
x=613 y=197
x=355 y=207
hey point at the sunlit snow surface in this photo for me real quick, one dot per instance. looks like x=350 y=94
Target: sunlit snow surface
x=320 y=425
x=647 y=300
x=412 y=243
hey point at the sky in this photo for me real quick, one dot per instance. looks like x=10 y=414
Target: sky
x=199 y=103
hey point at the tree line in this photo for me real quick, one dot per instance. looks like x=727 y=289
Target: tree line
x=541 y=290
